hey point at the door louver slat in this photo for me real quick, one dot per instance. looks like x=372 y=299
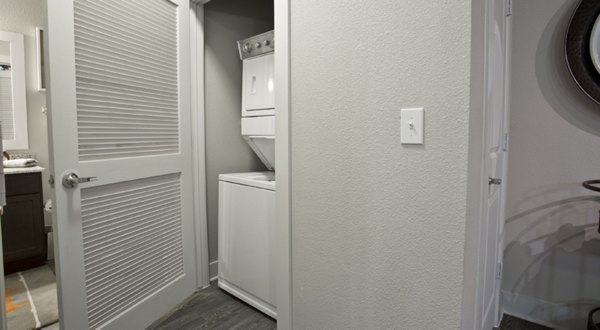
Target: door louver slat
x=134 y=248
x=127 y=78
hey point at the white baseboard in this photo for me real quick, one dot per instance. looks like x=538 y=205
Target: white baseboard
x=546 y=313
x=213 y=270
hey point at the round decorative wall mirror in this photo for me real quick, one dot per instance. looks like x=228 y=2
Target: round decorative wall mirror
x=583 y=48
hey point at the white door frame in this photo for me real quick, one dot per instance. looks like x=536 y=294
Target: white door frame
x=282 y=149
x=507 y=96
x=3 y=324
x=283 y=161
x=477 y=173
x=198 y=141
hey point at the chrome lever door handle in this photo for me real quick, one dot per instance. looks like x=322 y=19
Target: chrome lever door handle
x=71 y=180
x=494 y=181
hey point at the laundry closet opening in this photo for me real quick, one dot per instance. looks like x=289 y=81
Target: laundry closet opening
x=239 y=118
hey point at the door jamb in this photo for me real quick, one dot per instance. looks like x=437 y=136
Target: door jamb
x=3 y=324
x=198 y=141
x=507 y=96
x=283 y=159
x=476 y=178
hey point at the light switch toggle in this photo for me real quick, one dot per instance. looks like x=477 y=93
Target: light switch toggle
x=411 y=126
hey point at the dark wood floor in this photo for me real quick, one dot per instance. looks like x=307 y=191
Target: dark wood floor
x=514 y=323
x=213 y=308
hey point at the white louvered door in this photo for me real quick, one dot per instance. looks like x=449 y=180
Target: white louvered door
x=119 y=110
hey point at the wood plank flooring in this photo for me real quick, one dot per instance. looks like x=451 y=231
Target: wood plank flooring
x=213 y=308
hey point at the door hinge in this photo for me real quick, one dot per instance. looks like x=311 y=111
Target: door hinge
x=499 y=273
x=496 y=181
x=508 y=7
x=505 y=147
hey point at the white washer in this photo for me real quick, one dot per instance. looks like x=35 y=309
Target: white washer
x=247 y=238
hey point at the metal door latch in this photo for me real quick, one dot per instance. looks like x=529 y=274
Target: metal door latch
x=71 y=180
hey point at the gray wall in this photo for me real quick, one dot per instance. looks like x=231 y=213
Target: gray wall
x=552 y=254
x=22 y=17
x=378 y=228
x=227 y=21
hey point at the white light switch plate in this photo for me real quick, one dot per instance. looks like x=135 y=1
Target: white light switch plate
x=411 y=126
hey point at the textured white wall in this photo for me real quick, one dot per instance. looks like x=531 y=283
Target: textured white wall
x=226 y=22
x=552 y=256
x=22 y=17
x=378 y=228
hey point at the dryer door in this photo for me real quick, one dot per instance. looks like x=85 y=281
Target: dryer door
x=258 y=98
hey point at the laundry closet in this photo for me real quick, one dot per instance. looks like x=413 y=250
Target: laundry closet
x=240 y=113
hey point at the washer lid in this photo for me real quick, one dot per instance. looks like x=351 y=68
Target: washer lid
x=264 y=147
x=264 y=180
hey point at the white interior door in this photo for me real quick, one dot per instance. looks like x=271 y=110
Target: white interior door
x=495 y=144
x=119 y=111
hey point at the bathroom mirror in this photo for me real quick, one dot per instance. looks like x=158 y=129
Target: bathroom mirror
x=582 y=48
x=13 y=104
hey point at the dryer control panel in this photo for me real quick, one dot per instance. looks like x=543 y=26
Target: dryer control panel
x=257 y=45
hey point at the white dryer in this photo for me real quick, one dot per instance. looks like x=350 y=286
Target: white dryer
x=258 y=96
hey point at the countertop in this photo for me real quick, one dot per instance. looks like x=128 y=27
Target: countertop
x=19 y=170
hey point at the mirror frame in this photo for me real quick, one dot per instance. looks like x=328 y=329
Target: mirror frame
x=578 y=50
x=40 y=62
x=17 y=62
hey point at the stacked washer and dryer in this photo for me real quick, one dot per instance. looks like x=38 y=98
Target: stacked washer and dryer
x=247 y=200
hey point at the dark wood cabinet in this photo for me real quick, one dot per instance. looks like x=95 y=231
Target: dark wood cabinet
x=23 y=232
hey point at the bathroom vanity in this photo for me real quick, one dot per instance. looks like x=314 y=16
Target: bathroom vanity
x=23 y=230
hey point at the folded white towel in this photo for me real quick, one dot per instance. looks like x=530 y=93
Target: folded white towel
x=16 y=163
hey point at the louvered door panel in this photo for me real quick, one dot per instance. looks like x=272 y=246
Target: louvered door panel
x=120 y=112
x=127 y=78
x=132 y=237
x=6 y=108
